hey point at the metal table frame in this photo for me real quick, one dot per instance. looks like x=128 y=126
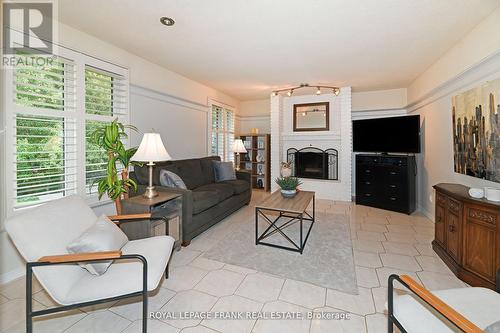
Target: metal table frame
x=273 y=228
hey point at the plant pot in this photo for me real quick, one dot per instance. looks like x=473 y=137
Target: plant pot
x=288 y=193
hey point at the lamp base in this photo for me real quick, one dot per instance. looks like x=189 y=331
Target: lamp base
x=150 y=192
x=238 y=162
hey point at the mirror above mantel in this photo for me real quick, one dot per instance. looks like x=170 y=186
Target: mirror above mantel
x=311 y=117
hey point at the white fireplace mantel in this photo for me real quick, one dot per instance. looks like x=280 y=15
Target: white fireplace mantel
x=338 y=137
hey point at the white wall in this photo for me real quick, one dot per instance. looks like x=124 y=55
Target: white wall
x=254 y=114
x=479 y=44
x=379 y=100
x=471 y=62
x=161 y=99
x=435 y=163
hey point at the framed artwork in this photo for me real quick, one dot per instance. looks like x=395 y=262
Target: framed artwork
x=476 y=131
x=311 y=117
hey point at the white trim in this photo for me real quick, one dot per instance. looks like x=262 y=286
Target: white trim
x=484 y=70
x=381 y=113
x=12 y=275
x=211 y=103
x=163 y=97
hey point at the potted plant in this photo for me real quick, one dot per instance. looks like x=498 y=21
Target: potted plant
x=109 y=138
x=288 y=186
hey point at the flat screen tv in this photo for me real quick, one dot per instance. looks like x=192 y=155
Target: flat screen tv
x=387 y=135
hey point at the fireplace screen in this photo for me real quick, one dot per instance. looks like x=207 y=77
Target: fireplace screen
x=313 y=163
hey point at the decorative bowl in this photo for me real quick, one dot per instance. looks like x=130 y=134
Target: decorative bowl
x=288 y=193
x=477 y=193
x=492 y=194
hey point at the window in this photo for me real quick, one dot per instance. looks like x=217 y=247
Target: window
x=52 y=108
x=222 y=132
x=105 y=99
x=44 y=133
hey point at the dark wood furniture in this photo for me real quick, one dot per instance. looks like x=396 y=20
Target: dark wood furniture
x=467 y=234
x=386 y=181
x=260 y=170
x=281 y=213
x=166 y=216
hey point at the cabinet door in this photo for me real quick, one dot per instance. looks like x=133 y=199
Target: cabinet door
x=480 y=243
x=453 y=233
x=439 y=227
x=453 y=228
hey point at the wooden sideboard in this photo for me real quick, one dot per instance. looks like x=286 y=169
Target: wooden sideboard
x=467 y=234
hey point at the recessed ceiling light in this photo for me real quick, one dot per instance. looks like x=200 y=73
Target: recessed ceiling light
x=167 y=21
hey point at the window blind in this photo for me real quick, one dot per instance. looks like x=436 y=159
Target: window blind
x=105 y=99
x=44 y=132
x=51 y=109
x=222 y=130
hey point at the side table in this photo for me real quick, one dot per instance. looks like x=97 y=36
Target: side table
x=166 y=211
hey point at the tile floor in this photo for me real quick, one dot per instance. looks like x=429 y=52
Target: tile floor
x=383 y=243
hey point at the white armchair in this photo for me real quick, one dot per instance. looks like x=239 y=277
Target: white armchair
x=469 y=310
x=41 y=235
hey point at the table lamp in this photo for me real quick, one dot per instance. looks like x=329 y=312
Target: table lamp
x=238 y=147
x=151 y=150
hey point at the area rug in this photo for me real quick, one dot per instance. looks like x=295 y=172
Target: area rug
x=327 y=259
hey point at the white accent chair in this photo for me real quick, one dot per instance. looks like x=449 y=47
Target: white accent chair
x=41 y=235
x=469 y=310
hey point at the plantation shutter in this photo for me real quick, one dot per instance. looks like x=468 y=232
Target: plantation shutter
x=44 y=132
x=106 y=98
x=222 y=133
x=229 y=139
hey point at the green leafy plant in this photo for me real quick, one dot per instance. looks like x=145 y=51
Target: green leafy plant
x=109 y=138
x=288 y=183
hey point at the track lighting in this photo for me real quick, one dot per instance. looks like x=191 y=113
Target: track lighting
x=289 y=91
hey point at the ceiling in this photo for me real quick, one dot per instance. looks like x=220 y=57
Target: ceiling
x=247 y=48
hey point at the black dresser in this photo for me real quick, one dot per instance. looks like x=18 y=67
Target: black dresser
x=387 y=182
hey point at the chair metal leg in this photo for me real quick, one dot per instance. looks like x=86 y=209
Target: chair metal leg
x=29 y=304
x=30 y=314
x=390 y=305
x=144 y=297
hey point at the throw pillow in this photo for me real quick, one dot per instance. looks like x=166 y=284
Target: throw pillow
x=493 y=328
x=104 y=235
x=223 y=171
x=170 y=179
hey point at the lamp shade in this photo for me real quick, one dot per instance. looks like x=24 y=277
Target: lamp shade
x=151 y=149
x=238 y=146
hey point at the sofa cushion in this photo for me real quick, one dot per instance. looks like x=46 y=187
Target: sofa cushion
x=224 y=171
x=104 y=235
x=203 y=200
x=224 y=191
x=171 y=179
x=190 y=172
x=207 y=168
x=238 y=185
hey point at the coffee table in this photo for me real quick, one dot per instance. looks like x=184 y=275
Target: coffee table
x=290 y=212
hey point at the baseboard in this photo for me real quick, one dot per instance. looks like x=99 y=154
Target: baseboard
x=428 y=214
x=12 y=275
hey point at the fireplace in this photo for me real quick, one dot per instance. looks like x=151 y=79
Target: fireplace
x=313 y=163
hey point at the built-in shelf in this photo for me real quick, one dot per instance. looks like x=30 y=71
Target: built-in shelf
x=257 y=144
